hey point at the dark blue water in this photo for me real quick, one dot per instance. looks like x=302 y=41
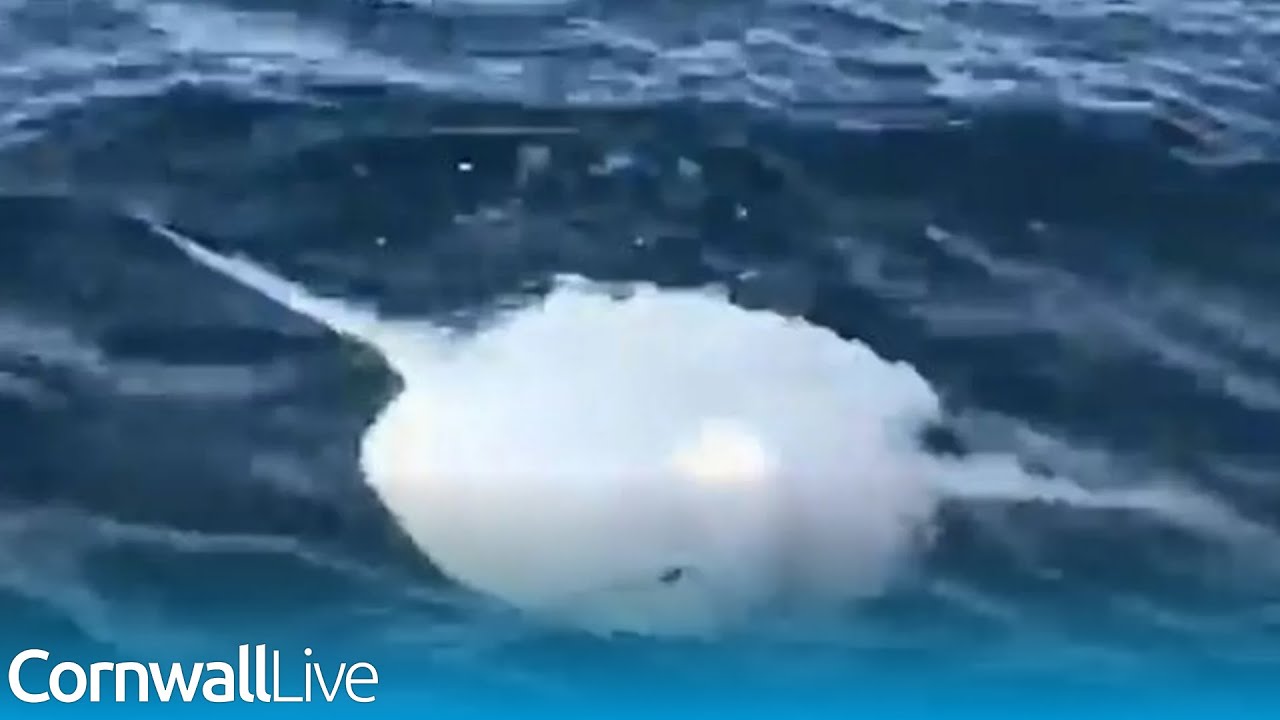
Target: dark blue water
x=1064 y=214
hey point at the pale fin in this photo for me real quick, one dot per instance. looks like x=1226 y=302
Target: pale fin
x=345 y=318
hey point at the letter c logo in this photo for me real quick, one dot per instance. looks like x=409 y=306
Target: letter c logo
x=15 y=676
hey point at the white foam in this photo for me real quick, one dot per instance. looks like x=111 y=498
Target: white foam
x=666 y=463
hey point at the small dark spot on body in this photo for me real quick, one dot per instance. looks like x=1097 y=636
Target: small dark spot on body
x=938 y=439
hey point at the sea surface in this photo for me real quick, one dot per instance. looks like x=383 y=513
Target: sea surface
x=1065 y=214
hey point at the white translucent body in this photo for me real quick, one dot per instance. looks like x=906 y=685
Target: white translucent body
x=663 y=463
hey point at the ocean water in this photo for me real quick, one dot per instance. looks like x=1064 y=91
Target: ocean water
x=1062 y=215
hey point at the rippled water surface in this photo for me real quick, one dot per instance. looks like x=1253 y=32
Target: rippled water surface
x=1062 y=213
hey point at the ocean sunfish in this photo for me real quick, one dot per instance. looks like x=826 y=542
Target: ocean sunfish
x=662 y=462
